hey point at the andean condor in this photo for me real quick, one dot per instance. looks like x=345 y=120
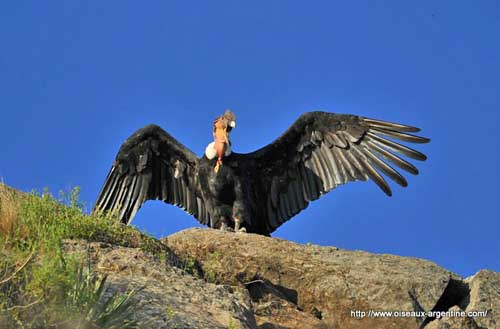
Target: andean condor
x=256 y=192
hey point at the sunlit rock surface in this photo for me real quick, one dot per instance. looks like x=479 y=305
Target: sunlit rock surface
x=214 y=279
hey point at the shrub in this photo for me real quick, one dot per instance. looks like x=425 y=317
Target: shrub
x=41 y=286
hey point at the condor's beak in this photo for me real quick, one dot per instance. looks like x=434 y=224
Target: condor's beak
x=232 y=124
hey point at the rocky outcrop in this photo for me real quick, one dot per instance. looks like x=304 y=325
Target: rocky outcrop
x=485 y=296
x=214 y=279
x=169 y=297
x=307 y=286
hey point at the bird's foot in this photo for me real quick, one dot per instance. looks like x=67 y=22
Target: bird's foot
x=237 y=226
x=224 y=227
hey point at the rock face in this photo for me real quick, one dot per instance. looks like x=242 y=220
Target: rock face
x=305 y=286
x=214 y=279
x=485 y=296
x=170 y=297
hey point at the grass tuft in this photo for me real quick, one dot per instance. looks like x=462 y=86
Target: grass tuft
x=8 y=209
x=41 y=286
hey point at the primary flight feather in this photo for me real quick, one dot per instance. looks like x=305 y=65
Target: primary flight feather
x=257 y=192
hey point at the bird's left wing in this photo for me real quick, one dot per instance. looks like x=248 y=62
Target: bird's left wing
x=321 y=151
x=151 y=165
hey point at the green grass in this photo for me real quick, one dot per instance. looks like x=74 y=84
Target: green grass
x=41 y=286
x=211 y=267
x=232 y=324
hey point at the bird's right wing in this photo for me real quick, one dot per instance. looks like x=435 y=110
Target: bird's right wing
x=151 y=165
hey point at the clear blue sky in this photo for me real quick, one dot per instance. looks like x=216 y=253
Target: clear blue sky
x=78 y=77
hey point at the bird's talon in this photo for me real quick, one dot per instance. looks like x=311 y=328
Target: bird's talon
x=225 y=228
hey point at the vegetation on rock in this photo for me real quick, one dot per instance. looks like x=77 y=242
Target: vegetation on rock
x=41 y=286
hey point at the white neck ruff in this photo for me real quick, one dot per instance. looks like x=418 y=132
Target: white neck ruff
x=210 y=152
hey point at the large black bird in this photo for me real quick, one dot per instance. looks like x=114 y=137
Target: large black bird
x=256 y=192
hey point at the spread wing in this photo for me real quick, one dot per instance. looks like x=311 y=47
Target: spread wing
x=321 y=151
x=151 y=165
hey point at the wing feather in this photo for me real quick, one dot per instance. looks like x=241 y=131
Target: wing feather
x=399 y=135
x=371 y=172
x=396 y=147
x=347 y=167
x=144 y=170
x=403 y=164
x=322 y=151
x=390 y=125
x=384 y=167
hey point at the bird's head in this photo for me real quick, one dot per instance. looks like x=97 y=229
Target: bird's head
x=231 y=119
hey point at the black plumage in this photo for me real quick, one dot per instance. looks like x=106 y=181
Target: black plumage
x=265 y=188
